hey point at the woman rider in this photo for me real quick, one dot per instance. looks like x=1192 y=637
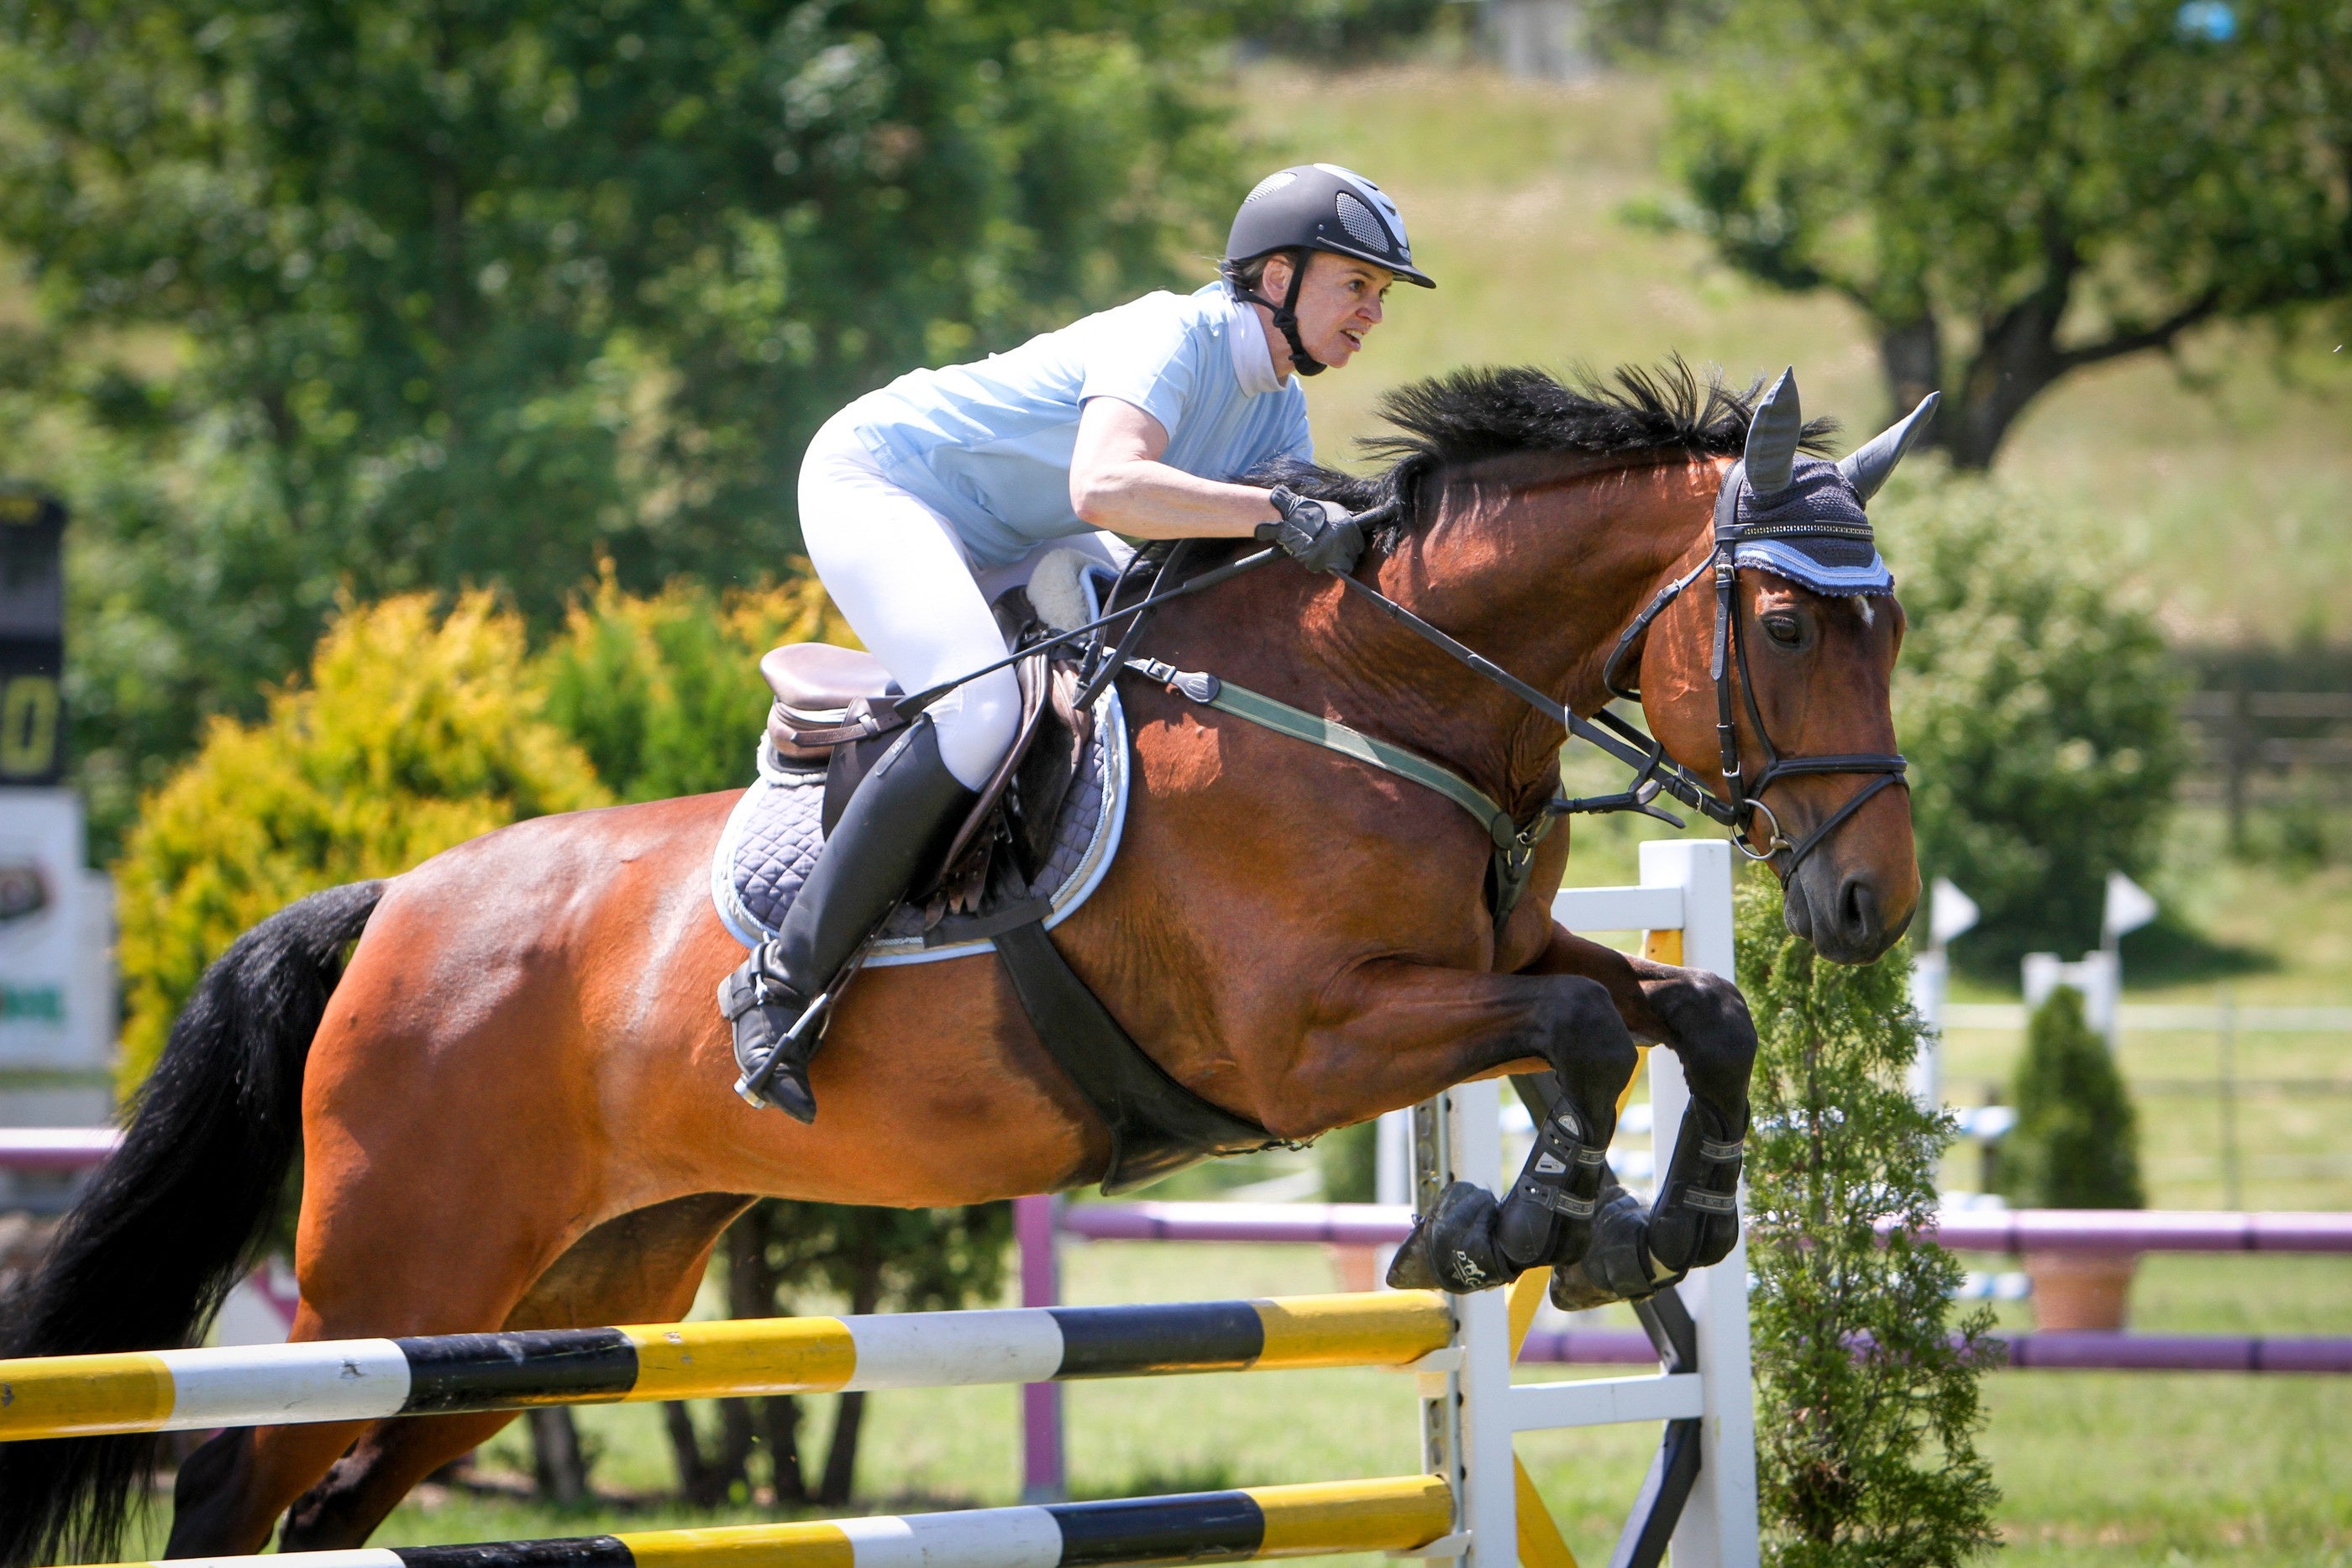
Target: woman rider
x=921 y=502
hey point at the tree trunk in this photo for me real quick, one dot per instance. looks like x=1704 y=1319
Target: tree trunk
x=1911 y=354
x=708 y=1480
x=841 y=1454
x=558 y=1467
x=785 y=1472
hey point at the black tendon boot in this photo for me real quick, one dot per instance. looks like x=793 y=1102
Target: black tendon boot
x=1697 y=1219
x=892 y=832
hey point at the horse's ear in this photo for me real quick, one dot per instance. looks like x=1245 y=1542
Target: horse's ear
x=1867 y=466
x=1773 y=434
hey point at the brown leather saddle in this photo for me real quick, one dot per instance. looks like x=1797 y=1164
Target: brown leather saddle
x=837 y=708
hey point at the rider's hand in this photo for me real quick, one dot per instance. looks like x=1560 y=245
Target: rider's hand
x=1323 y=535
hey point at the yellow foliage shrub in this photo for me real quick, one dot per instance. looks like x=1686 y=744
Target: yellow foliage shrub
x=665 y=691
x=415 y=731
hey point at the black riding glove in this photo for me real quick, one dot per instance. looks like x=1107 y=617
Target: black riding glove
x=1321 y=536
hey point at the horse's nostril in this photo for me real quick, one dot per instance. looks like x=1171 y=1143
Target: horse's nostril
x=1858 y=912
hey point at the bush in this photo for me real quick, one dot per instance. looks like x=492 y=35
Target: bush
x=1866 y=1408
x=2076 y=1142
x=2037 y=703
x=664 y=692
x=413 y=734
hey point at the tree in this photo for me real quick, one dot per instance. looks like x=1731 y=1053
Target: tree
x=1866 y=1399
x=2036 y=702
x=2024 y=188
x=381 y=296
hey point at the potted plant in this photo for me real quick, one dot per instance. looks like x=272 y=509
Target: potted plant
x=2075 y=1146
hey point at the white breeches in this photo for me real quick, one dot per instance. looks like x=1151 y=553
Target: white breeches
x=900 y=578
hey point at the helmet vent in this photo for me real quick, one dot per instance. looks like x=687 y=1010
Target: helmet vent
x=1361 y=225
x=1271 y=183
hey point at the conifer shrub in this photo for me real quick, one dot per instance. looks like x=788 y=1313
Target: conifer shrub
x=1867 y=1397
x=2076 y=1141
x=413 y=733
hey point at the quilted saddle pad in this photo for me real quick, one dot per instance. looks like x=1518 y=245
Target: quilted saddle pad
x=772 y=836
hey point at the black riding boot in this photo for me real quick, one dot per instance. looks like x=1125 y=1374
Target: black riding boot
x=894 y=827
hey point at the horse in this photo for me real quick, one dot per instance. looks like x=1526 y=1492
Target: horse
x=512 y=1103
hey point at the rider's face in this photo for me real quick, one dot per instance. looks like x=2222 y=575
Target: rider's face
x=1339 y=302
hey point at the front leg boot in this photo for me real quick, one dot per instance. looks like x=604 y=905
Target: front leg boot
x=1548 y=1218
x=1695 y=1221
x=1452 y=1246
x=1618 y=1267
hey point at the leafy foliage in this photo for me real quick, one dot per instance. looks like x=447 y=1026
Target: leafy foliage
x=664 y=690
x=1866 y=1407
x=2076 y=1141
x=2032 y=185
x=2037 y=704
x=411 y=734
x=371 y=297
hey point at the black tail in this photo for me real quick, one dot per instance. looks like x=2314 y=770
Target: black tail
x=171 y=1221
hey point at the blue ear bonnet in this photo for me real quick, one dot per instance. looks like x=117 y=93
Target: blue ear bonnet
x=1812 y=531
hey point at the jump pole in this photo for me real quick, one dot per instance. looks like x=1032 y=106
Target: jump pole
x=355 y=1380
x=1394 y=1514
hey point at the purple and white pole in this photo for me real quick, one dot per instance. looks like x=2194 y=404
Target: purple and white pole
x=1034 y=1222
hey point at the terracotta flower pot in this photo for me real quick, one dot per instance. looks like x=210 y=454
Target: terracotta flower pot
x=1357 y=1268
x=2081 y=1290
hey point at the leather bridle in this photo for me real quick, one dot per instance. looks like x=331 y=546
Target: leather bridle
x=1730 y=653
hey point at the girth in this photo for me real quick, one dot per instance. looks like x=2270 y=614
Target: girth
x=1156 y=1126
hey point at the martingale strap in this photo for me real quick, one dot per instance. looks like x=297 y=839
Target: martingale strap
x=1514 y=846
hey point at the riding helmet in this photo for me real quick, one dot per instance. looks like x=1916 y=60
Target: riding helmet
x=1321 y=206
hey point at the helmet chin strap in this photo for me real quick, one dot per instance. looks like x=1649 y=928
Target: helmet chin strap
x=1285 y=315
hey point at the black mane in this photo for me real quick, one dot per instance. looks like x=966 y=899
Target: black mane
x=1493 y=411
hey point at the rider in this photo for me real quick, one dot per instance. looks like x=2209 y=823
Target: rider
x=921 y=502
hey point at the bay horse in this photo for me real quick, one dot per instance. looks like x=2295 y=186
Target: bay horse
x=513 y=1104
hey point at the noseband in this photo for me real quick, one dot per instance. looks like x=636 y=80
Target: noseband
x=1746 y=796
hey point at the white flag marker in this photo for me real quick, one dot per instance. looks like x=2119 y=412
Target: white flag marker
x=1950 y=912
x=2129 y=907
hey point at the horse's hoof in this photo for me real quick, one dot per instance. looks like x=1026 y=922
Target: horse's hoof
x=1453 y=1247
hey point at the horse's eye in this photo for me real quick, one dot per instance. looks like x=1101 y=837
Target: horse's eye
x=1786 y=630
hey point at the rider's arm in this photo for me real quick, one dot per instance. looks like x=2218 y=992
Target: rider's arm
x=1118 y=482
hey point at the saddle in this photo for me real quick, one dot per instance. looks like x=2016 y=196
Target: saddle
x=837 y=708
